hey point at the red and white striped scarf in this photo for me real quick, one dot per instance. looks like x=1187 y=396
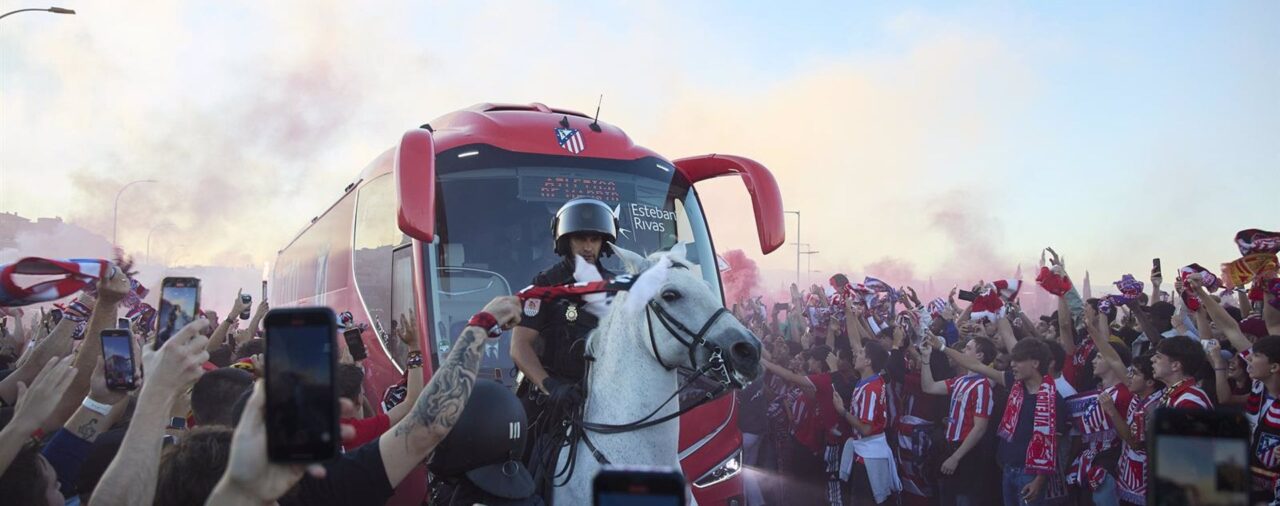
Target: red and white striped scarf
x=1042 y=453
x=75 y=274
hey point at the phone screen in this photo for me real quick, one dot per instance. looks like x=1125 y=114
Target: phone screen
x=117 y=359
x=302 y=405
x=1198 y=462
x=355 y=345
x=179 y=305
x=122 y=323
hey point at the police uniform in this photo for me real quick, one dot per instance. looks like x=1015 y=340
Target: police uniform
x=562 y=324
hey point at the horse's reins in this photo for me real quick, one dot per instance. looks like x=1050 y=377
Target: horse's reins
x=715 y=364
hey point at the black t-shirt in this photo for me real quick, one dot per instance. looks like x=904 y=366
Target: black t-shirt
x=357 y=477
x=752 y=406
x=1014 y=452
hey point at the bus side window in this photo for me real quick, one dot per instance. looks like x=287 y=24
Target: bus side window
x=376 y=235
x=401 y=298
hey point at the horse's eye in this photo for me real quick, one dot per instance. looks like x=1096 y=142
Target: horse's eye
x=671 y=295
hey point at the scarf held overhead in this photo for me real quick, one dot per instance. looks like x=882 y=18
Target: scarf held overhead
x=74 y=275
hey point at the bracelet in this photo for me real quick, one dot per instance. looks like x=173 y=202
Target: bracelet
x=414 y=361
x=96 y=407
x=487 y=322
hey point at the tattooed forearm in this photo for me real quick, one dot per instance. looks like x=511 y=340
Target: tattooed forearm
x=440 y=405
x=88 y=430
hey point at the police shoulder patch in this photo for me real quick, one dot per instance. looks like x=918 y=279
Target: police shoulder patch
x=532 y=306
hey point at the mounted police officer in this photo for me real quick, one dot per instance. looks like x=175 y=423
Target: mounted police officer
x=549 y=343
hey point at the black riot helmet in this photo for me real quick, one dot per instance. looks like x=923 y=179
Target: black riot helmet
x=486 y=443
x=584 y=215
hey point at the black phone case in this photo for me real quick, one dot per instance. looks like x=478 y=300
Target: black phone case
x=277 y=450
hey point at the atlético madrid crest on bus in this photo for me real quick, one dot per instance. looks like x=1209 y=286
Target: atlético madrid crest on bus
x=570 y=139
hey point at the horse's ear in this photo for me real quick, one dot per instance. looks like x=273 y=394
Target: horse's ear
x=632 y=261
x=647 y=285
x=680 y=251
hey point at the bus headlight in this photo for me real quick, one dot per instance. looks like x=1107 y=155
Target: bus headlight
x=724 y=470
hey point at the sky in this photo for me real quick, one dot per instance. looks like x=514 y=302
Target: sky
x=935 y=139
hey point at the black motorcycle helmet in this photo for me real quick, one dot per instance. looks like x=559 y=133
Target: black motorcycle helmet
x=584 y=215
x=487 y=442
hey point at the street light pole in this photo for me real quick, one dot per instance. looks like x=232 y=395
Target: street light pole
x=808 y=253
x=55 y=10
x=115 y=209
x=797 y=213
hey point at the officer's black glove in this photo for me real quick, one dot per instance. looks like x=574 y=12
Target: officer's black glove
x=562 y=393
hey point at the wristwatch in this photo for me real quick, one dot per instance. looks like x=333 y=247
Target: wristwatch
x=177 y=423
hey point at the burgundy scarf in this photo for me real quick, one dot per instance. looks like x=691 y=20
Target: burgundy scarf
x=1042 y=452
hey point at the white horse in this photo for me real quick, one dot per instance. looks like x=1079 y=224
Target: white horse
x=633 y=372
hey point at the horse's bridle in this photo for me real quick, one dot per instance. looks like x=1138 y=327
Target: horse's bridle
x=719 y=368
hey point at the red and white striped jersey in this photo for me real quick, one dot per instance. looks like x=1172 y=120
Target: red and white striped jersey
x=971 y=398
x=870 y=405
x=1263 y=413
x=1186 y=395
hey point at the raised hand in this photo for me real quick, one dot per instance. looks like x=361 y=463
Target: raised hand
x=238 y=306
x=98 y=390
x=250 y=477
x=37 y=402
x=114 y=286
x=179 y=362
x=505 y=309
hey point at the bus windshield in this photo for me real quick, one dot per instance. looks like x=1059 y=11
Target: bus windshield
x=493 y=230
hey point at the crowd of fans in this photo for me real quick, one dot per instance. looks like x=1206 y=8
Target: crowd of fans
x=193 y=432
x=872 y=395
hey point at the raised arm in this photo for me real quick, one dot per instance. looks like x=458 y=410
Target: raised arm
x=56 y=344
x=1066 y=330
x=853 y=324
x=1098 y=330
x=927 y=383
x=170 y=371
x=974 y=365
x=1212 y=309
x=788 y=376
x=1144 y=322
x=219 y=336
x=408 y=333
x=1005 y=332
x=438 y=408
x=1108 y=406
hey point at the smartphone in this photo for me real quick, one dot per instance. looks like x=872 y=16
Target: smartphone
x=1208 y=342
x=245 y=299
x=123 y=323
x=1198 y=456
x=355 y=345
x=1155 y=268
x=638 y=486
x=118 y=363
x=966 y=295
x=264 y=289
x=302 y=403
x=179 y=305
x=57 y=315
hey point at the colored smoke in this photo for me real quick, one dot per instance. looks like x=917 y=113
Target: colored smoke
x=742 y=280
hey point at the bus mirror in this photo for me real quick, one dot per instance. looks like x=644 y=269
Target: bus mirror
x=766 y=199
x=416 y=184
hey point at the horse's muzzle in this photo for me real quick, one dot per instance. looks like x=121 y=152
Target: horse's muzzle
x=742 y=355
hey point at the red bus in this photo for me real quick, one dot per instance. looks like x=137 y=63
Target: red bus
x=460 y=212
